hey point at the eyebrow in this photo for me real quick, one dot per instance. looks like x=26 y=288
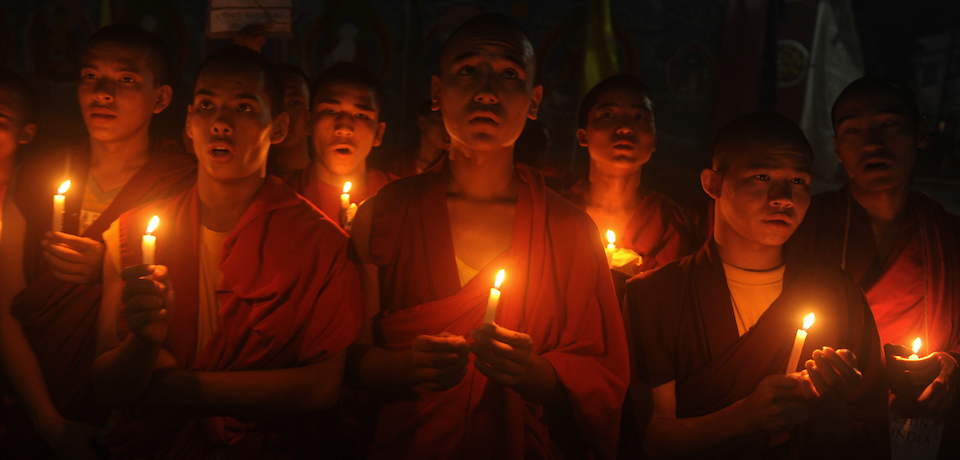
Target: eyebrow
x=614 y=104
x=207 y=92
x=360 y=106
x=509 y=57
x=883 y=111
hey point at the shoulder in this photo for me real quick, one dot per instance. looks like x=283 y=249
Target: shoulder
x=667 y=277
x=299 y=218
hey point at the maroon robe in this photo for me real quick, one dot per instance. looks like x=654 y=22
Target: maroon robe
x=557 y=290
x=289 y=297
x=326 y=197
x=58 y=318
x=681 y=327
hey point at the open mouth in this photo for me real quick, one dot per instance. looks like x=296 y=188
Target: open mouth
x=483 y=120
x=220 y=152
x=343 y=150
x=876 y=165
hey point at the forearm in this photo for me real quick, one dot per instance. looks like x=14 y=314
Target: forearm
x=540 y=383
x=266 y=393
x=377 y=369
x=23 y=370
x=123 y=374
x=672 y=437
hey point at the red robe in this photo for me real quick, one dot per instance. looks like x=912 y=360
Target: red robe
x=915 y=292
x=59 y=319
x=289 y=297
x=681 y=327
x=557 y=290
x=326 y=197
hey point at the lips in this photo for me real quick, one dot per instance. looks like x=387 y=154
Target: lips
x=344 y=149
x=780 y=221
x=220 y=151
x=876 y=162
x=102 y=113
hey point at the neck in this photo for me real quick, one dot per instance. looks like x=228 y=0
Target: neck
x=884 y=207
x=222 y=203
x=6 y=169
x=742 y=253
x=613 y=192
x=292 y=157
x=427 y=154
x=482 y=175
x=122 y=154
x=358 y=177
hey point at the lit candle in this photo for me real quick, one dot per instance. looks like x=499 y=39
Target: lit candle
x=916 y=349
x=494 y=299
x=344 y=196
x=149 y=243
x=611 y=247
x=798 y=344
x=58 y=202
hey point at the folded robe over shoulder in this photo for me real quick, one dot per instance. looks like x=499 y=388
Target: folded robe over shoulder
x=289 y=297
x=681 y=327
x=557 y=290
x=326 y=197
x=58 y=318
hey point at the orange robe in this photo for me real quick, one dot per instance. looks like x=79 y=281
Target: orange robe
x=681 y=327
x=326 y=197
x=58 y=318
x=289 y=297
x=558 y=290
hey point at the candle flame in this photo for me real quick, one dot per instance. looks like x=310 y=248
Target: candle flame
x=808 y=321
x=916 y=345
x=611 y=237
x=499 y=279
x=346 y=187
x=153 y=224
x=63 y=188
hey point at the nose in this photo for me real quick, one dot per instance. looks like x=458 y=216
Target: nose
x=222 y=125
x=625 y=129
x=104 y=89
x=343 y=125
x=780 y=194
x=487 y=93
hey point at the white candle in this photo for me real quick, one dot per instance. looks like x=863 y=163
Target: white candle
x=916 y=349
x=798 y=344
x=58 y=203
x=611 y=247
x=494 y=299
x=149 y=243
x=344 y=196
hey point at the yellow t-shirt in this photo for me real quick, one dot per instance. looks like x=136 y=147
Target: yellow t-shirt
x=752 y=292
x=95 y=202
x=208 y=311
x=465 y=272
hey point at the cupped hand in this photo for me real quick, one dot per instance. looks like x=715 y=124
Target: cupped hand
x=439 y=361
x=74 y=259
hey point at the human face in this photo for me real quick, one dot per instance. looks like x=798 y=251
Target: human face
x=13 y=130
x=296 y=102
x=231 y=124
x=432 y=131
x=877 y=139
x=764 y=193
x=485 y=89
x=346 y=126
x=621 y=132
x=118 y=93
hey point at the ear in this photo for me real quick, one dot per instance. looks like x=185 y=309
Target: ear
x=434 y=93
x=536 y=96
x=164 y=96
x=582 y=137
x=923 y=133
x=280 y=125
x=27 y=133
x=186 y=125
x=379 y=137
x=711 y=180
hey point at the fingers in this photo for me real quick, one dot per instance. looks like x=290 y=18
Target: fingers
x=819 y=383
x=441 y=343
x=60 y=251
x=845 y=363
x=137 y=271
x=501 y=364
x=512 y=338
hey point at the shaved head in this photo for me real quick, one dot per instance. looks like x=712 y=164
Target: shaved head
x=749 y=131
x=495 y=27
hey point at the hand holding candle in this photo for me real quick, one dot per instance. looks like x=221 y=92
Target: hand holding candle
x=494 y=299
x=798 y=344
x=149 y=243
x=58 y=204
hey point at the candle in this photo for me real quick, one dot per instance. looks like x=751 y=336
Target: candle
x=344 y=196
x=916 y=349
x=58 y=202
x=798 y=344
x=149 y=243
x=494 y=299
x=611 y=248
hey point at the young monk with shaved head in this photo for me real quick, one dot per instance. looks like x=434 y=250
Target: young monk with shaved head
x=711 y=334
x=452 y=386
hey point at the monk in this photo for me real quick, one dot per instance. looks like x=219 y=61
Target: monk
x=345 y=126
x=294 y=152
x=902 y=246
x=17 y=125
x=451 y=384
x=618 y=127
x=50 y=280
x=240 y=360
x=432 y=146
x=711 y=334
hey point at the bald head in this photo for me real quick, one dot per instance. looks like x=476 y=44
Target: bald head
x=757 y=130
x=495 y=28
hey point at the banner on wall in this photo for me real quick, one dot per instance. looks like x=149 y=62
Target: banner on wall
x=270 y=18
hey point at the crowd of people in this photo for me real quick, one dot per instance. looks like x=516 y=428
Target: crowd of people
x=277 y=312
